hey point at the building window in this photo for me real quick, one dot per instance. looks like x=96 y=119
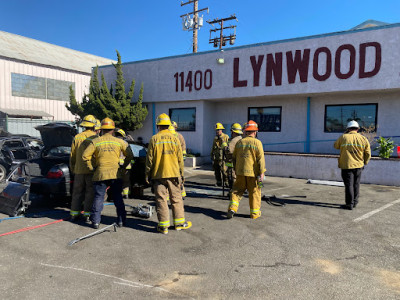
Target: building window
x=39 y=87
x=267 y=118
x=337 y=116
x=28 y=86
x=184 y=117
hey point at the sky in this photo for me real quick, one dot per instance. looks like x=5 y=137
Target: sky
x=145 y=29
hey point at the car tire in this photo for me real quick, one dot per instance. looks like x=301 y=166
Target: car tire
x=3 y=173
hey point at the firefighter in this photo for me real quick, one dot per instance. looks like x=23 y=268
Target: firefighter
x=172 y=129
x=236 y=136
x=97 y=127
x=107 y=150
x=249 y=165
x=82 y=192
x=217 y=154
x=181 y=139
x=164 y=168
x=124 y=173
x=355 y=153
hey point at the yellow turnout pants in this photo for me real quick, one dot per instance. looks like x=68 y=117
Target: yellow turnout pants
x=162 y=189
x=241 y=184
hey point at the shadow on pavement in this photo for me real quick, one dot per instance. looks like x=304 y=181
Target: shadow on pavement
x=215 y=214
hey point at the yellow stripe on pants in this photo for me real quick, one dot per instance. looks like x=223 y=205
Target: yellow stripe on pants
x=243 y=183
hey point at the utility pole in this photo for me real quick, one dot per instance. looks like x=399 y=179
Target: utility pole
x=193 y=23
x=222 y=39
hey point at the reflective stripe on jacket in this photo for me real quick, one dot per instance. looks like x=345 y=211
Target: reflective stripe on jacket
x=248 y=157
x=79 y=144
x=164 y=156
x=106 y=150
x=355 y=150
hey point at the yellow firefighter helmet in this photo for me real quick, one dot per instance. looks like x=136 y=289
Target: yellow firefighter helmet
x=107 y=123
x=237 y=128
x=88 y=121
x=163 y=119
x=219 y=126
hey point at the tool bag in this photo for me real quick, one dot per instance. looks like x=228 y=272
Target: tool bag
x=14 y=199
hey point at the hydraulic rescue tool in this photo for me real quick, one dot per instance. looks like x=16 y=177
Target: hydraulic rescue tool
x=142 y=211
x=93 y=233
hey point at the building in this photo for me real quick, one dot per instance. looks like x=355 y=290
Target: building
x=301 y=91
x=34 y=81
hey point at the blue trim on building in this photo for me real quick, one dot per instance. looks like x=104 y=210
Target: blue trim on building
x=308 y=141
x=264 y=44
x=153 y=108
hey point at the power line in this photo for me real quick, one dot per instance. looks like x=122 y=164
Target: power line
x=222 y=39
x=193 y=23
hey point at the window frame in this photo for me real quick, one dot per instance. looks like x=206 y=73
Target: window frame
x=183 y=108
x=259 y=127
x=356 y=104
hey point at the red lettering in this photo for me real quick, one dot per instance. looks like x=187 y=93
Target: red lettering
x=378 y=60
x=352 y=63
x=256 y=65
x=274 y=69
x=236 y=81
x=299 y=64
x=328 y=64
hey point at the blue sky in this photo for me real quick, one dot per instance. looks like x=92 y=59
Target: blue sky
x=141 y=29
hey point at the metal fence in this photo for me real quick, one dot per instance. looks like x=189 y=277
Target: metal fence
x=25 y=126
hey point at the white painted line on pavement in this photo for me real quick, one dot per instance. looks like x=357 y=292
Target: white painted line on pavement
x=126 y=282
x=363 y=217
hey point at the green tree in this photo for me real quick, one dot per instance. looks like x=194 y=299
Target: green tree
x=113 y=103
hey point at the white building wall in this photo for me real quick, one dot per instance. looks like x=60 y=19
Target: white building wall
x=53 y=107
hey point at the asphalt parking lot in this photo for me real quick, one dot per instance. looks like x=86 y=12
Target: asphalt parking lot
x=308 y=249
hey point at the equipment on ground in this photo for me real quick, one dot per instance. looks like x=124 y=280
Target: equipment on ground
x=219 y=126
x=93 y=233
x=163 y=119
x=88 y=121
x=325 y=182
x=141 y=211
x=107 y=123
x=14 y=199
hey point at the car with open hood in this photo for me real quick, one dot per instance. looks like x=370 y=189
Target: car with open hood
x=50 y=173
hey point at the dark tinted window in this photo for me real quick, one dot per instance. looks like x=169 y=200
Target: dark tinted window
x=337 y=116
x=267 y=118
x=184 y=117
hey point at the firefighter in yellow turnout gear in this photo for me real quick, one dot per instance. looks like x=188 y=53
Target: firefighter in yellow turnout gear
x=236 y=136
x=173 y=128
x=249 y=164
x=82 y=192
x=124 y=172
x=107 y=150
x=217 y=154
x=164 y=167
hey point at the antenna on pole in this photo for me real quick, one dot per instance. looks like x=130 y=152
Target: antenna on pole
x=192 y=22
x=222 y=39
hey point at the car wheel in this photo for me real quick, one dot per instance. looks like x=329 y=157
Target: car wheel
x=3 y=173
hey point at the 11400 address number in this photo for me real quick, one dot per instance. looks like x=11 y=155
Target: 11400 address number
x=196 y=80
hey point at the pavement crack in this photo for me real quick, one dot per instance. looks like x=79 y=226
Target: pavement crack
x=278 y=264
x=350 y=258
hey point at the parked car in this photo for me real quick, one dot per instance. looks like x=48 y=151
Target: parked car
x=50 y=173
x=16 y=149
